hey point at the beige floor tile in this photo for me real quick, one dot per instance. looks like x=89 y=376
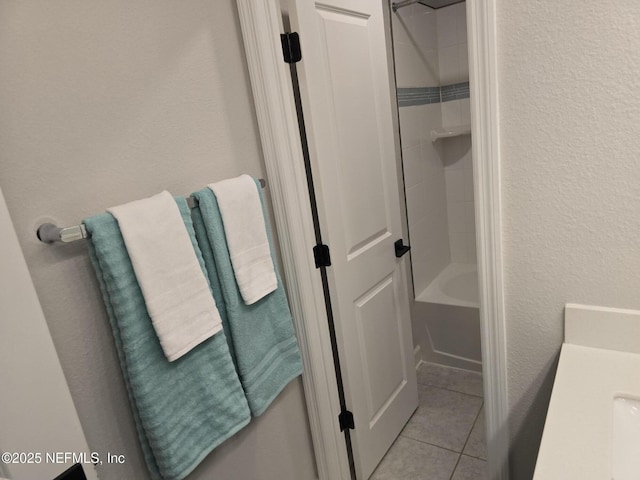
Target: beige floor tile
x=470 y=469
x=443 y=418
x=409 y=459
x=455 y=379
x=475 y=446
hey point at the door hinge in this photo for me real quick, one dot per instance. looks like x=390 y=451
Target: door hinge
x=346 y=420
x=401 y=248
x=321 y=255
x=291 y=47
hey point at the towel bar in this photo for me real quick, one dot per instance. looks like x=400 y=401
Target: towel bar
x=50 y=233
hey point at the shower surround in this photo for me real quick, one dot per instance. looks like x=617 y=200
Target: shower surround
x=432 y=76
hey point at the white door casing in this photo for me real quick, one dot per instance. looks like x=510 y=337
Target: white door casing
x=347 y=105
x=261 y=25
x=37 y=414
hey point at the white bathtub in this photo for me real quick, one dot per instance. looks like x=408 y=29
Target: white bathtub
x=457 y=285
x=446 y=318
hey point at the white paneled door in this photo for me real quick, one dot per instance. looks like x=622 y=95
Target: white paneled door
x=347 y=104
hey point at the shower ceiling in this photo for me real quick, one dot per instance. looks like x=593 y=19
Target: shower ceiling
x=433 y=4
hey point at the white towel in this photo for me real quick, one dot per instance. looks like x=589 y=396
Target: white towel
x=174 y=287
x=244 y=227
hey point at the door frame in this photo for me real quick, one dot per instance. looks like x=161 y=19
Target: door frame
x=261 y=24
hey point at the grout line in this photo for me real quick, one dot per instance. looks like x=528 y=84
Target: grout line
x=456 y=467
x=473 y=456
x=458 y=463
x=465 y=442
x=429 y=443
x=447 y=367
x=472 y=427
x=451 y=390
x=460 y=454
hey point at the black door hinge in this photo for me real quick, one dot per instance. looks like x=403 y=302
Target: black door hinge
x=401 y=248
x=346 y=420
x=291 y=47
x=321 y=255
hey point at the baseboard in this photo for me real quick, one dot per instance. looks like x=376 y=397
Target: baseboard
x=417 y=356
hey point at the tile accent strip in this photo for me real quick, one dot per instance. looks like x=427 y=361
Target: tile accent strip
x=425 y=95
x=418 y=96
x=457 y=91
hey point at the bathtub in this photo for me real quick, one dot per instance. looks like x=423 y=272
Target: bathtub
x=446 y=319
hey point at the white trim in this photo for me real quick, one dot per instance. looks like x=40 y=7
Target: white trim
x=417 y=357
x=261 y=24
x=37 y=413
x=481 y=26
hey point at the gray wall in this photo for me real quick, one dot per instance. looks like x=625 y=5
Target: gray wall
x=107 y=102
x=570 y=143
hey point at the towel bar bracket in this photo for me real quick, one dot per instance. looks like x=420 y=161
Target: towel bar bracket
x=50 y=233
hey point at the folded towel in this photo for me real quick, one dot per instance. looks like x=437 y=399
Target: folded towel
x=264 y=343
x=246 y=235
x=175 y=290
x=182 y=409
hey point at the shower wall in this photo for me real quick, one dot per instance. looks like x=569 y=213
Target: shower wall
x=456 y=152
x=415 y=42
x=432 y=78
x=458 y=174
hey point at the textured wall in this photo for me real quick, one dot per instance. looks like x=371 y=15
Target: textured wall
x=570 y=141
x=103 y=103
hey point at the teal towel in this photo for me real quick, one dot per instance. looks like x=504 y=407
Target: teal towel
x=182 y=409
x=261 y=335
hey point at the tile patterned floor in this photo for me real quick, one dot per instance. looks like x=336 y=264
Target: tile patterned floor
x=444 y=439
